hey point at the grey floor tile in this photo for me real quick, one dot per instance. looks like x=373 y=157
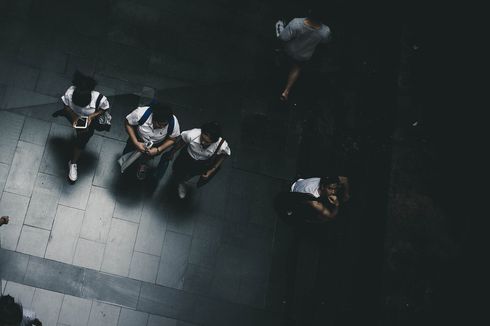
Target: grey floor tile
x=13 y=265
x=174 y=260
x=35 y=131
x=108 y=170
x=103 y=314
x=11 y=126
x=119 y=248
x=89 y=254
x=47 y=305
x=144 y=267
x=129 y=317
x=252 y=292
x=52 y=84
x=25 y=166
x=65 y=233
x=44 y=201
x=54 y=276
x=4 y=171
x=58 y=150
x=129 y=203
x=98 y=215
x=156 y=320
x=203 y=252
x=33 y=241
x=151 y=231
x=110 y=288
x=22 y=294
x=75 y=311
x=15 y=206
x=198 y=279
x=24 y=77
x=20 y=98
x=165 y=301
x=76 y=194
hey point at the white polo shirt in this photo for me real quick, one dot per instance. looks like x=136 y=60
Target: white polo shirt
x=309 y=186
x=87 y=110
x=197 y=151
x=146 y=131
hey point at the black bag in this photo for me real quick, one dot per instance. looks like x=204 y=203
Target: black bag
x=201 y=182
x=97 y=125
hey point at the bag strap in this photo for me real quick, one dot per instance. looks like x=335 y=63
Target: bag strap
x=145 y=116
x=99 y=99
x=217 y=148
x=170 y=124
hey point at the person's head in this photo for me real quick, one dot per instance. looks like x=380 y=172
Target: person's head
x=161 y=114
x=84 y=85
x=329 y=185
x=314 y=15
x=10 y=311
x=210 y=133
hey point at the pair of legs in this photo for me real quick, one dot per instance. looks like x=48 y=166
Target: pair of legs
x=293 y=75
x=144 y=159
x=185 y=167
x=81 y=140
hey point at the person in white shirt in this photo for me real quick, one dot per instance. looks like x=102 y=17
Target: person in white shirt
x=154 y=124
x=81 y=100
x=204 y=152
x=324 y=194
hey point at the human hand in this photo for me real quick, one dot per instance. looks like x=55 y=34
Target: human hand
x=4 y=220
x=36 y=322
x=152 y=151
x=207 y=174
x=140 y=147
x=334 y=200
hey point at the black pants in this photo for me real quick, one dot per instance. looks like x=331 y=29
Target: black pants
x=185 y=167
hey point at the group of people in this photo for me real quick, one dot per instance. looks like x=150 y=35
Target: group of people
x=153 y=131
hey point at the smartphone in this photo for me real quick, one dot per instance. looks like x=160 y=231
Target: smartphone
x=82 y=123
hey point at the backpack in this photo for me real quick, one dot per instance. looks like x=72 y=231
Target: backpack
x=103 y=122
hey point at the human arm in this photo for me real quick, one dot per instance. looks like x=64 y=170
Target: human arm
x=132 y=135
x=344 y=181
x=288 y=33
x=215 y=166
x=325 y=213
x=178 y=145
x=71 y=114
x=162 y=147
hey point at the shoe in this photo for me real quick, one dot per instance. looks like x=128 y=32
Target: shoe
x=72 y=172
x=181 y=190
x=279 y=27
x=141 y=172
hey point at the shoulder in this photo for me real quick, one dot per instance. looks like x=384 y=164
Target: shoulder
x=69 y=91
x=191 y=133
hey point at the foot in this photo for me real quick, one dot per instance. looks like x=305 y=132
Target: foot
x=181 y=190
x=141 y=172
x=72 y=172
x=284 y=96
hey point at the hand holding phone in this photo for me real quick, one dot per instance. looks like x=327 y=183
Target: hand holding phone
x=81 y=123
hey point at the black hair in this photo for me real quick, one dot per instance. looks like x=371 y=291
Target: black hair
x=315 y=14
x=325 y=181
x=212 y=129
x=10 y=311
x=161 y=112
x=84 y=85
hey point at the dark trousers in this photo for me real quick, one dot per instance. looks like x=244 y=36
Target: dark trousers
x=185 y=167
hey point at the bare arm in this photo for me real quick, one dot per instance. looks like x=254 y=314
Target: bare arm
x=70 y=113
x=132 y=135
x=178 y=145
x=216 y=165
x=325 y=213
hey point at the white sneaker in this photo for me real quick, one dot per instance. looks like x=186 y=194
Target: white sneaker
x=279 y=27
x=181 y=190
x=72 y=172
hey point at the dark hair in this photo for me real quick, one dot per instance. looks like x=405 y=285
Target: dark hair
x=212 y=129
x=84 y=85
x=314 y=14
x=161 y=112
x=325 y=181
x=10 y=311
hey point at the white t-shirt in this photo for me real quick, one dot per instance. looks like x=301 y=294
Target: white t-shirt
x=87 y=110
x=146 y=131
x=309 y=186
x=197 y=151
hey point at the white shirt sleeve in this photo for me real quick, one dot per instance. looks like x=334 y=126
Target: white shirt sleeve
x=104 y=103
x=224 y=149
x=68 y=95
x=136 y=115
x=176 y=131
x=189 y=135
